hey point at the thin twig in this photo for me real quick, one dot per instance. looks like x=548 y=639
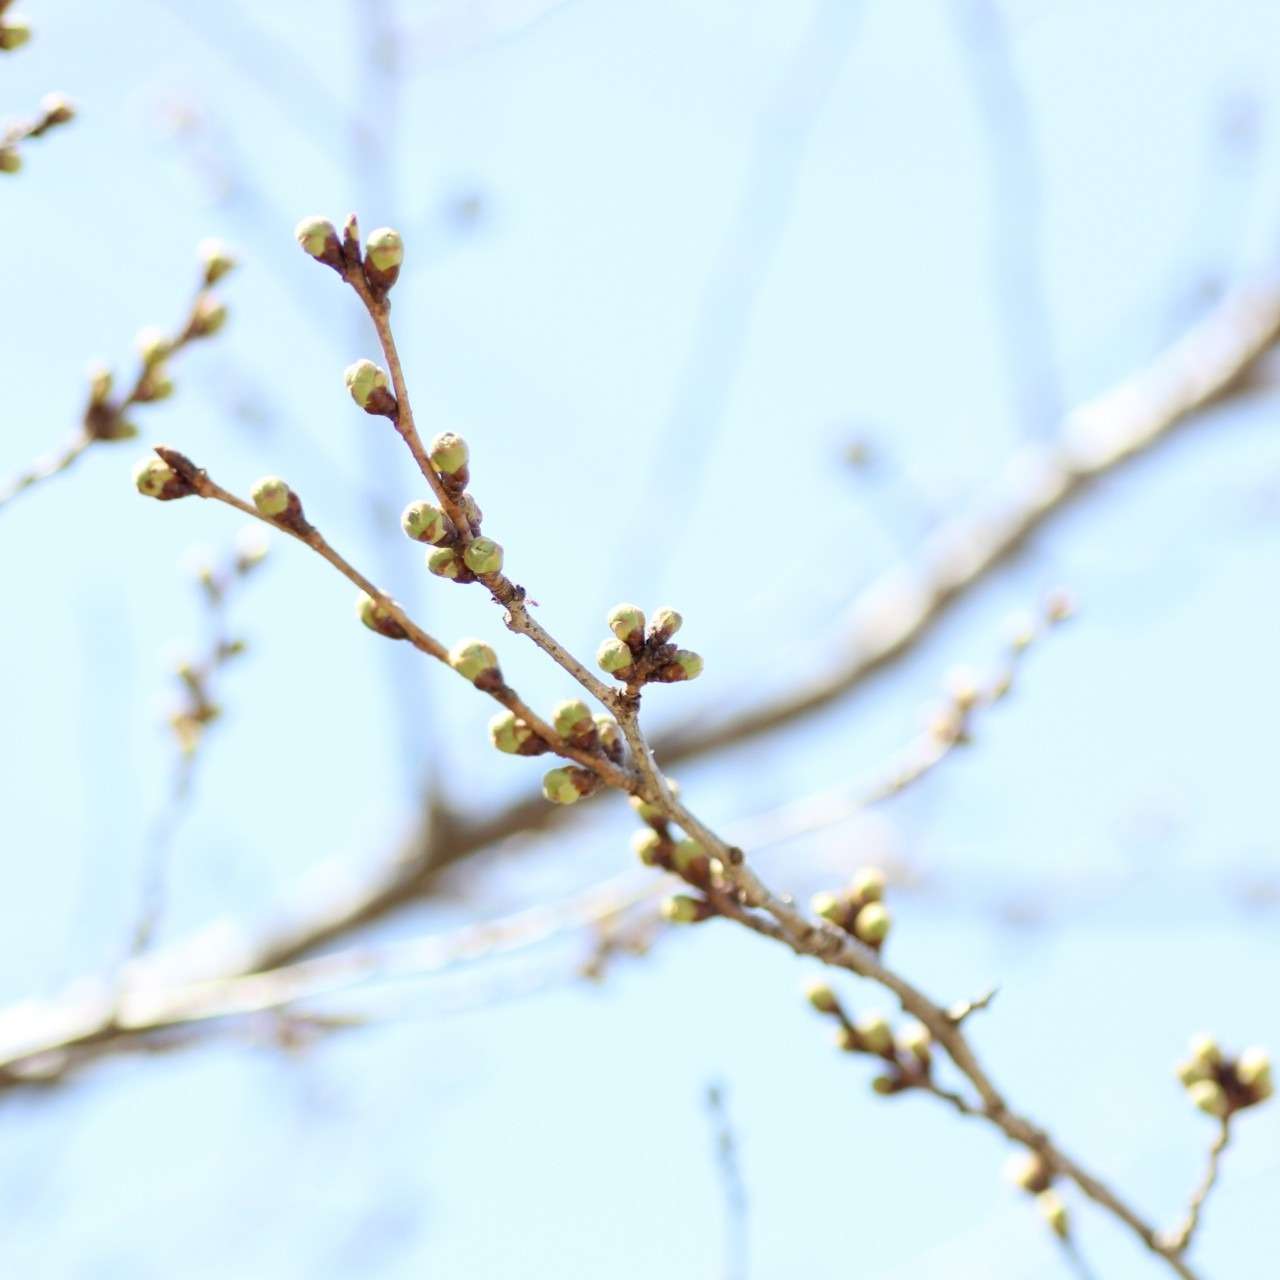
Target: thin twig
x=733 y=1187
x=1180 y=1240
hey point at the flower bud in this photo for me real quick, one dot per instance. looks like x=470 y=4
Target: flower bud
x=116 y=429
x=827 y=905
x=647 y=844
x=1054 y=1212
x=689 y=858
x=868 y=885
x=474 y=660
x=652 y=812
x=449 y=453
x=153 y=345
x=207 y=316
x=663 y=625
x=872 y=923
x=683 y=909
x=614 y=657
x=572 y=719
x=609 y=733
x=509 y=733
x=319 y=238
x=100 y=383
x=1253 y=1070
x=14 y=33
x=1209 y=1096
x=886 y=1085
x=271 y=496
x=152 y=476
x=1192 y=1072
x=1029 y=1171
x=377 y=618
x=822 y=997
x=483 y=555
x=684 y=665
x=626 y=621
x=154 y=385
x=384 y=248
x=369 y=386
x=57 y=108
x=1205 y=1050
x=914 y=1039
x=444 y=562
x=567 y=785
x=216 y=260
x=874 y=1032
x=424 y=522
x=10 y=160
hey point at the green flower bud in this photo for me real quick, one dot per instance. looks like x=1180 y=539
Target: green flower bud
x=651 y=812
x=827 y=905
x=508 y=732
x=1253 y=1070
x=473 y=660
x=483 y=555
x=664 y=624
x=216 y=260
x=153 y=345
x=564 y=786
x=610 y=734
x=317 y=236
x=614 y=657
x=874 y=1031
x=868 y=885
x=57 y=108
x=100 y=383
x=449 y=453
x=687 y=855
x=914 y=1039
x=154 y=385
x=424 y=522
x=363 y=378
x=1054 y=1212
x=872 y=923
x=207 y=316
x=647 y=844
x=1209 y=1096
x=682 y=909
x=1205 y=1050
x=1192 y=1072
x=572 y=718
x=684 y=665
x=626 y=621
x=885 y=1085
x=117 y=429
x=385 y=249
x=822 y=997
x=271 y=496
x=444 y=562
x=14 y=33
x=10 y=160
x=378 y=618
x=152 y=475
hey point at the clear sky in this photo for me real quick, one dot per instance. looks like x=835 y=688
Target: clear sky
x=665 y=261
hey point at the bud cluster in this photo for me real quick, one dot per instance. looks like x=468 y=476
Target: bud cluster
x=379 y=263
x=574 y=722
x=635 y=657
x=859 y=909
x=907 y=1056
x=1221 y=1086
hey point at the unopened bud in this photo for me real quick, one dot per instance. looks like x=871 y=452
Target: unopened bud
x=509 y=733
x=614 y=657
x=652 y=812
x=566 y=786
x=424 y=522
x=384 y=248
x=872 y=924
x=271 y=496
x=10 y=160
x=874 y=1031
x=57 y=108
x=100 y=383
x=370 y=387
x=207 y=316
x=483 y=555
x=153 y=345
x=914 y=1038
x=449 y=453
x=1253 y=1070
x=827 y=905
x=153 y=477
x=473 y=660
x=1209 y=1096
x=610 y=735
x=1029 y=1171
x=216 y=260
x=1205 y=1050
x=685 y=665
x=14 y=33
x=626 y=621
x=444 y=562
x=318 y=237
x=868 y=885
x=377 y=618
x=647 y=844
x=663 y=625
x=572 y=718
x=822 y=997
x=1054 y=1212
x=683 y=909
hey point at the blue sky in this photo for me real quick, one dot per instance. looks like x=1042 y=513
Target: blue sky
x=736 y=235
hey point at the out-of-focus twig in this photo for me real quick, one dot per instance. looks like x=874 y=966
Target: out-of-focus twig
x=733 y=1187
